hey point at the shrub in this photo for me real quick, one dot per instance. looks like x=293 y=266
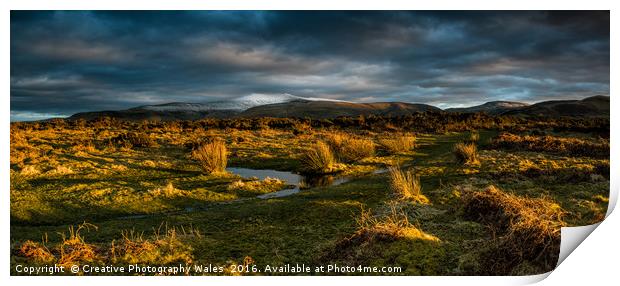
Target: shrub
x=527 y=230
x=211 y=156
x=466 y=153
x=318 y=159
x=398 y=143
x=406 y=184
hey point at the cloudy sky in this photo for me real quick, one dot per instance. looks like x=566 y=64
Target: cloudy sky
x=67 y=62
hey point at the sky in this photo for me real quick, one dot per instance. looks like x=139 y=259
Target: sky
x=63 y=62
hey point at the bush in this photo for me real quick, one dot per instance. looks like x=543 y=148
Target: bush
x=211 y=156
x=406 y=184
x=466 y=153
x=318 y=159
x=527 y=230
x=398 y=143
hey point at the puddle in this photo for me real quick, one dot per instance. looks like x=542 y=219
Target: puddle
x=299 y=181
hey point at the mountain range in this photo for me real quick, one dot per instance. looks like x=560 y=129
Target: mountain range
x=286 y=105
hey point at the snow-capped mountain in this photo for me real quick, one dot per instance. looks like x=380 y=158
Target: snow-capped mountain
x=192 y=111
x=236 y=104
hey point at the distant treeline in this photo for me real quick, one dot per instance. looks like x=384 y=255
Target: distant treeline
x=424 y=122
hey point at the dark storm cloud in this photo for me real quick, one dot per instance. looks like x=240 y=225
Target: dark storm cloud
x=64 y=62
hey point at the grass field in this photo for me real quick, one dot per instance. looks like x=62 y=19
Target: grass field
x=146 y=199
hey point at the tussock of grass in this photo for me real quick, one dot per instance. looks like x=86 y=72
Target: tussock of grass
x=373 y=231
x=398 y=143
x=164 y=247
x=527 y=230
x=349 y=148
x=169 y=191
x=318 y=159
x=161 y=249
x=466 y=153
x=406 y=185
x=557 y=145
x=74 y=250
x=36 y=252
x=212 y=156
x=392 y=226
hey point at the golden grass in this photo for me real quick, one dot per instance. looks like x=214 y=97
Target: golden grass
x=36 y=252
x=318 y=159
x=466 y=153
x=552 y=144
x=212 y=156
x=392 y=226
x=527 y=230
x=406 y=185
x=398 y=143
x=74 y=250
x=160 y=249
x=349 y=148
x=164 y=247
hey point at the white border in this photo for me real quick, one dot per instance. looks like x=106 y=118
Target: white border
x=594 y=261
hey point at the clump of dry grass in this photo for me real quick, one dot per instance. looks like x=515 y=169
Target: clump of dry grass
x=398 y=143
x=212 y=156
x=349 y=148
x=466 y=153
x=165 y=246
x=406 y=185
x=318 y=159
x=161 y=249
x=527 y=230
x=552 y=144
x=73 y=249
x=169 y=191
x=372 y=230
x=36 y=252
x=395 y=224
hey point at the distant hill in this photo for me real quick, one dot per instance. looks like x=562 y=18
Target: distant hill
x=194 y=111
x=492 y=107
x=595 y=106
x=286 y=105
x=325 y=109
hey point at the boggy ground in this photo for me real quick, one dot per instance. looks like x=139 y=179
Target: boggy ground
x=152 y=204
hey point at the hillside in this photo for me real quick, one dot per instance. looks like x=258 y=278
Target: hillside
x=325 y=109
x=492 y=107
x=595 y=106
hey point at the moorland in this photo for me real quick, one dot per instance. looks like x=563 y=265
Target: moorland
x=432 y=193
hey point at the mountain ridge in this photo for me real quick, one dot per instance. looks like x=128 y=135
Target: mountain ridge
x=286 y=105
